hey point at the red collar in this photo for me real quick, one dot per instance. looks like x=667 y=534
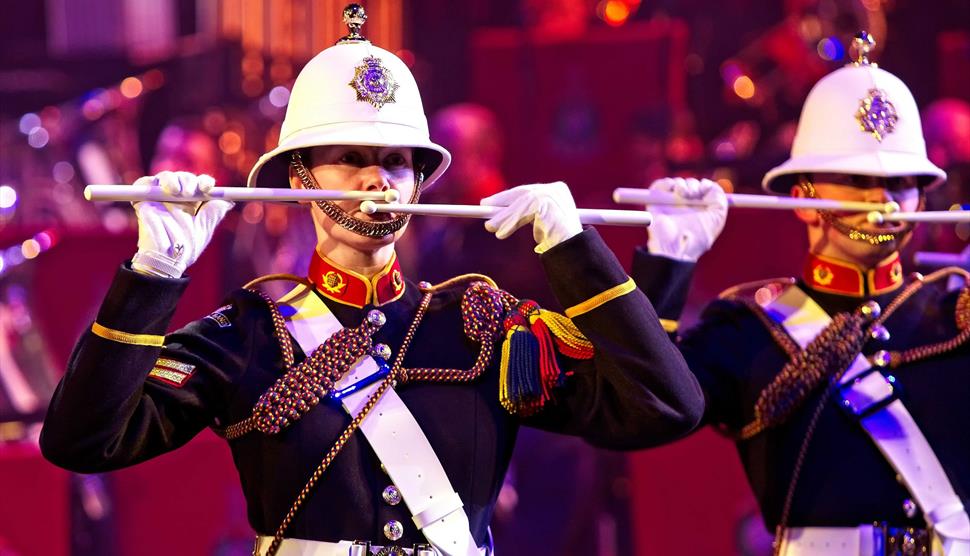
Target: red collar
x=350 y=288
x=834 y=276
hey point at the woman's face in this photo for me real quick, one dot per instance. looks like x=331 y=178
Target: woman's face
x=358 y=168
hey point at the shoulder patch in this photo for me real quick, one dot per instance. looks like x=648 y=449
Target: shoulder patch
x=171 y=372
x=219 y=317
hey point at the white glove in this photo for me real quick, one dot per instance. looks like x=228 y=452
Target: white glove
x=171 y=236
x=549 y=206
x=686 y=233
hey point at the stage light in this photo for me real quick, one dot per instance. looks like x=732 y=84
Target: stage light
x=30 y=249
x=614 y=12
x=28 y=122
x=92 y=109
x=63 y=171
x=38 y=138
x=230 y=142
x=279 y=96
x=830 y=49
x=744 y=87
x=8 y=197
x=153 y=79
x=131 y=87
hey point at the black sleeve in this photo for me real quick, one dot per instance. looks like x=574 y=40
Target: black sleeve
x=122 y=401
x=664 y=281
x=716 y=350
x=636 y=391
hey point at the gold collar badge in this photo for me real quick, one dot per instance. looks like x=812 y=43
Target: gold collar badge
x=333 y=282
x=823 y=275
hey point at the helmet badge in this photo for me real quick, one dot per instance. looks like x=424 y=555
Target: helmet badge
x=876 y=115
x=373 y=82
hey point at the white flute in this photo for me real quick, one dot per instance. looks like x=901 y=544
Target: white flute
x=937 y=216
x=606 y=217
x=633 y=196
x=270 y=194
x=940 y=260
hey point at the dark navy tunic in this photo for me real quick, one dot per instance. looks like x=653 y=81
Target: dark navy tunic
x=635 y=392
x=845 y=480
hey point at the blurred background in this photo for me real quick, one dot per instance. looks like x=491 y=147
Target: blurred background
x=598 y=93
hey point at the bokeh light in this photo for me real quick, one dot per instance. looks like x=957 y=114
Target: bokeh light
x=63 y=171
x=744 y=87
x=279 y=96
x=8 y=196
x=38 y=138
x=230 y=142
x=30 y=249
x=28 y=122
x=830 y=49
x=131 y=87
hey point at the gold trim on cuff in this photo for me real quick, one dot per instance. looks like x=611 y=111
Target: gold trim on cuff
x=669 y=326
x=126 y=338
x=601 y=298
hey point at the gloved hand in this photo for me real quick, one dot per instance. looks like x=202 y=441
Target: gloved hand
x=549 y=206
x=171 y=236
x=686 y=233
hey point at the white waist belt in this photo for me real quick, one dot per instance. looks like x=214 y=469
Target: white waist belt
x=825 y=541
x=392 y=432
x=864 y=540
x=301 y=547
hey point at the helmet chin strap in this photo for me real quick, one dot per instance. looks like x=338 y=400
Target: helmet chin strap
x=344 y=219
x=851 y=232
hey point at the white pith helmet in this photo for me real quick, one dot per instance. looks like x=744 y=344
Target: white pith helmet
x=352 y=93
x=858 y=120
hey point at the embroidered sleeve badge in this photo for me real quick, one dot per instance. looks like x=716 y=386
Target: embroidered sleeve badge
x=171 y=372
x=374 y=83
x=219 y=317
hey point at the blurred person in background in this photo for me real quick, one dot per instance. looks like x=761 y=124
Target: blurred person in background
x=946 y=124
x=845 y=390
x=436 y=249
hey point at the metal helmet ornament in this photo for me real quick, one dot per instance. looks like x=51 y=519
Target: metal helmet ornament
x=859 y=120
x=353 y=93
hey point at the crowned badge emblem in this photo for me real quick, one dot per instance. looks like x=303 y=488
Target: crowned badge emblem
x=823 y=275
x=333 y=282
x=876 y=115
x=374 y=83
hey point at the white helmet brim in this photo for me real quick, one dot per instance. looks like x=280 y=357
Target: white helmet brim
x=272 y=169
x=880 y=164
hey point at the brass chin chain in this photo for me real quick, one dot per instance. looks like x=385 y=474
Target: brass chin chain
x=854 y=234
x=360 y=227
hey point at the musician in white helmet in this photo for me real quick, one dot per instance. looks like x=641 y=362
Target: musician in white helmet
x=367 y=414
x=846 y=388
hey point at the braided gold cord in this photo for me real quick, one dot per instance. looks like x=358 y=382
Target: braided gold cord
x=388 y=382
x=441 y=286
x=327 y=460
